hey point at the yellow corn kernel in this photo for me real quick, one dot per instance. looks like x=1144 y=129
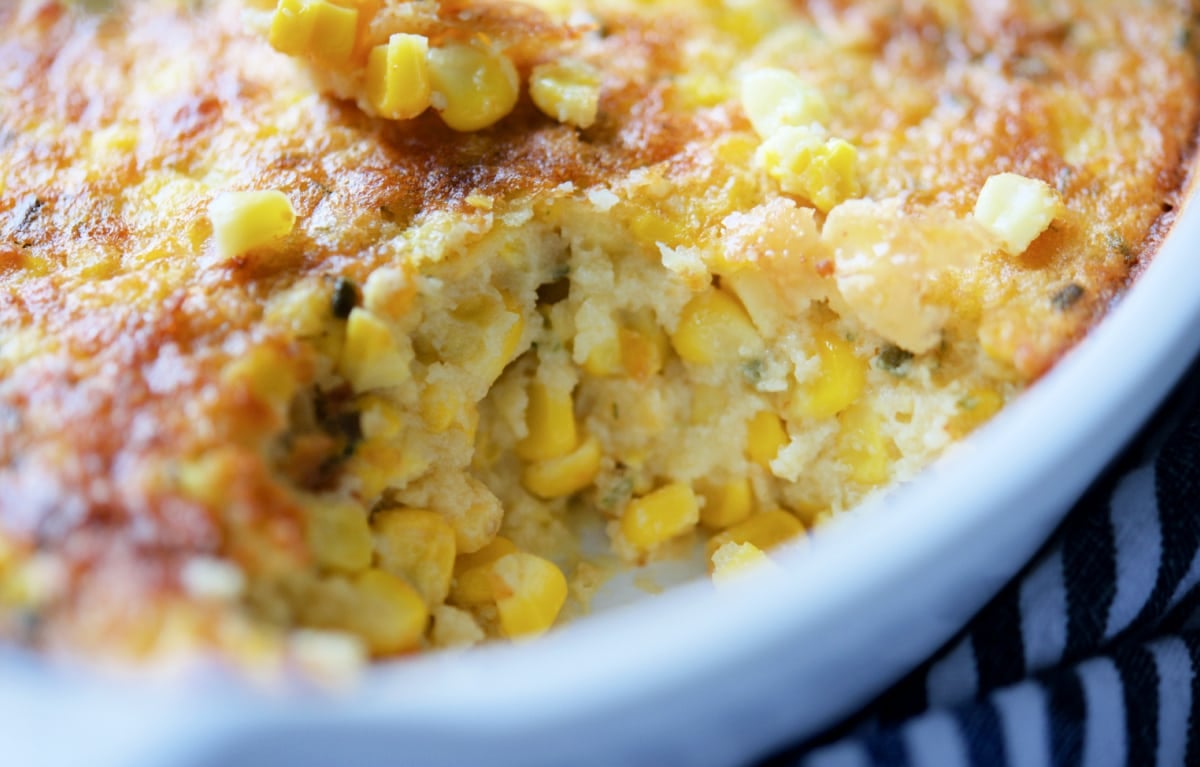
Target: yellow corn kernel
x=712 y=327
x=324 y=30
x=734 y=559
x=472 y=583
x=974 y=410
x=473 y=86
x=291 y=27
x=566 y=474
x=839 y=383
x=766 y=531
x=441 y=404
x=765 y=437
x=265 y=372
x=657 y=517
x=509 y=342
x=863 y=446
x=339 y=535
x=642 y=353
x=371 y=357
x=727 y=505
x=418 y=546
x=529 y=591
x=806 y=164
x=604 y=358
x=335 y=32
x=776 y=98
x=1016 y=209
x=398 y=83
x=389 y=292
x=550 y=418
x=652 y=228
x=376 y=466
x=568 y=91
x=244 y=221
x=382 y=609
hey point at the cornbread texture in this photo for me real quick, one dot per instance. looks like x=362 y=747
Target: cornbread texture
x=325 y=323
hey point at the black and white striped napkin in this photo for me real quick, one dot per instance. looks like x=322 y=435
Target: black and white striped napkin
x=1090 y=657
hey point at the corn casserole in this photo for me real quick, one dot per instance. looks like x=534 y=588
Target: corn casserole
x=328 y=325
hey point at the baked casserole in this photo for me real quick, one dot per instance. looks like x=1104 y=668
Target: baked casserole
x=327 y=325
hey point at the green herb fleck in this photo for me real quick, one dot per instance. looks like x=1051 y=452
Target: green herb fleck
x=618 y=492
x=893 y=359
x=1067 y=297
x=1118 y=244
x=754 y=370
x=616 y=412
x=345 y=298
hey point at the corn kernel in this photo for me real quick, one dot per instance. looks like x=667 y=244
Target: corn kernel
x=291 y=27
x=652 y=228
x=839 y=382
x=244 y=221
x=657 y=517
x=976 y=409
x=335 y=32
x=806 y=164
x=642 y=353
x=765 y=437
x=418 y=546
x=339 y=535
x=863 y=446
x=440 y=406
x=509 y=343
x=473 y=87
x=398 y=83
x=529 y=591
x=777 y=98
x=568 y=91
x=712 y=327
x=604 y=358
x=472 y=583
x=564 y=475
x=371 y=357
x=1017 y=209
x=385 y=611
x=265 y=372
x=324 y=30
x=766 y=531
x=734 y=559
x=727 y=505
x=378 y=465
x=550 y=418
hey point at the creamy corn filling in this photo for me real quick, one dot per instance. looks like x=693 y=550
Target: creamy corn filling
x=556 y=372
x=377 y=305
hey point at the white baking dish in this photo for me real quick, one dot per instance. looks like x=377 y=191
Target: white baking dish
x=693 y=676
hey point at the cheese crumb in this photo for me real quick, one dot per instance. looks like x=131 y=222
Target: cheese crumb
x=243 y=221
x=1017 y=209
x=777 y=98
x=215 y=579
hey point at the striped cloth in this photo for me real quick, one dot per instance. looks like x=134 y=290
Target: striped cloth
x=1090 y=657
